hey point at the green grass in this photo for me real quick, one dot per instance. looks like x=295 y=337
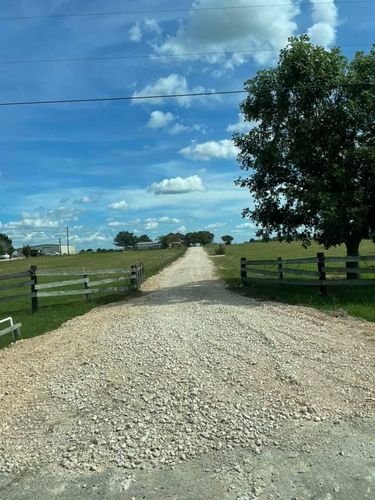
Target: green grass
x=354 y=300
x=53 y=311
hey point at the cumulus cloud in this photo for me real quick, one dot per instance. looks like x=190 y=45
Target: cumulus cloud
x=246 y=225
x=90 y=238
x=158 y=119
x=241 y=126
x=44 y=219
x=119 y=205
x=92 y=198
x=135 y=33
x=205 y=151
x=177 y=185
x=114 y=223
x=151 y=225
x=323 y=31
x=152 y=26
x=216 y=225
x=243 y=28
x=169 y=220
x=169 y=85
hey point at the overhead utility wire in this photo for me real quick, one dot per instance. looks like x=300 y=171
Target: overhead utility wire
x=121 y=98
x=163 y=96
x=158 y=56
x=167 y=11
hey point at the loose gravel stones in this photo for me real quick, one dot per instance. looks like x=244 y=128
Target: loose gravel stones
x=185 y=369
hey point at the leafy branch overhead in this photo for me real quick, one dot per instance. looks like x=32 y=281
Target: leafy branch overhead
x=311 y=156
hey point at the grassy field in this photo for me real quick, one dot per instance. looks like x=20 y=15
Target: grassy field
x=53 y=311
x=356 y=301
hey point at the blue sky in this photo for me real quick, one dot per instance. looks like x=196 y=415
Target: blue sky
x=144 y=166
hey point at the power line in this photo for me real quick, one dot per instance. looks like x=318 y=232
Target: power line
x=168 y=96
x=121 y=98
x=170 y=11
x=158 y=56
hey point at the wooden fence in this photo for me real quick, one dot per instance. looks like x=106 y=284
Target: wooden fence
x=37 y=283
x=278 y=271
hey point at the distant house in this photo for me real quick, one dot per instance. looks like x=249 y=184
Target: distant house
x=148 y=245
x=53 y=249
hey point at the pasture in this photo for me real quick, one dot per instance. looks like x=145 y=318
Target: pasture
x=53 y=311
x=355 y=301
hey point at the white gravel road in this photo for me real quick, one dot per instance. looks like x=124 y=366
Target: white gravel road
x=188 y=369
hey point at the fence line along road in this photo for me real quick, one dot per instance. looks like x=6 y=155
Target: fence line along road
x=38 y=286
x=325 y=275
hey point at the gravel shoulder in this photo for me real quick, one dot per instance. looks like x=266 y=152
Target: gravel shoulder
x=191 y=391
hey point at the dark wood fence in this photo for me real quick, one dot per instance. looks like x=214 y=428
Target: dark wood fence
x=36 y=284
x=281 y=270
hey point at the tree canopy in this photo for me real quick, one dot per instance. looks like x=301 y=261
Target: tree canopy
x=143 y=239
x=200 y=237
x=311 y=153
x=125 y=239
x=227 y=238
x=6 y=245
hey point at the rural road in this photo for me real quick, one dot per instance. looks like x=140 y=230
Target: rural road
x=190 y=391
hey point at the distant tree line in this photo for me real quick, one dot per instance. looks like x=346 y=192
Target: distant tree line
x=128 y=240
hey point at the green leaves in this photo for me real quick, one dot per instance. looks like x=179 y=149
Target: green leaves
x=311 y=157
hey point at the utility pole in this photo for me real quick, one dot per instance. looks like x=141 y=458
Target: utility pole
x=59 y=245
x=67 y=238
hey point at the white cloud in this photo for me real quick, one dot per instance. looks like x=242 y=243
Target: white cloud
x=114 y=223
x=216 y=225
x=224 y=150
x=169 y=220
x=90 y=238
x=170 y=85
x=241 y=126
x=153 y=26
x=135 y=33
x=158 y=119
x=119 y=205
x=151 y=225
x=177 y=185
x=237 y=29
x=323 y=31
x=178 y=128
x=181 y=229
x=246 y=225
x=45 y=219
x=92 y=198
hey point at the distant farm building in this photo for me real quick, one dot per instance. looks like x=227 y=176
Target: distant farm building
x=53 y=249
x=148 y=245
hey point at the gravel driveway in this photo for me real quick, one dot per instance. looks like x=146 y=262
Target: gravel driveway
x=191 y=392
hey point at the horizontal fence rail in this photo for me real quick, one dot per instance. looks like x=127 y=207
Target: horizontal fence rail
x=43 y=283
x=287 y=271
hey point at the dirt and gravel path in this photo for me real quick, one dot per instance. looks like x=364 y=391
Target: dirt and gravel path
x=191 y=392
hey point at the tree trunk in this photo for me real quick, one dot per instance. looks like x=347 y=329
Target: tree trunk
x=352 y=250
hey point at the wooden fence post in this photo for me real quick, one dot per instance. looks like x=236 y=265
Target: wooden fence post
x=280 y=268
x=243 y=271
x=34 y=297
x=322 y=273
x=133 y=277
x=86 y=285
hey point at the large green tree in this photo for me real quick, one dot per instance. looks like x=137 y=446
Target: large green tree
x=311 y=154
x=227 y=238
x=6 y=245
x=125 y=239
x=200 y=237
